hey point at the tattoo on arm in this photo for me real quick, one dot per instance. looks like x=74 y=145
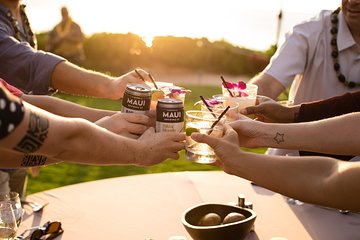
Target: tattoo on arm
x=279 y=138
x=35 y=135
x=33 y=160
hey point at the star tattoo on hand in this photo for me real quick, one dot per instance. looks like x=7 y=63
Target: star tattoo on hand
x=279 y=138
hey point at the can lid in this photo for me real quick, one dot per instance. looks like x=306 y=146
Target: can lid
x=137 y=87
x=170 y=103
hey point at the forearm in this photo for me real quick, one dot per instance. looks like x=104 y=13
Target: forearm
x=69 y=139
x=317 y=180
x=70 y=78
x=65 y=108
x=339 y=135
x=267 y=85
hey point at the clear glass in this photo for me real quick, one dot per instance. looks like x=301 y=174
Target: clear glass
x=8 y=226
x=218 y=105
x=14 y=199
x=201 y=121
x=245 y=98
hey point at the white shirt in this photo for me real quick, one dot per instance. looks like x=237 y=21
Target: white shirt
x=307 y=52
x=306 y=55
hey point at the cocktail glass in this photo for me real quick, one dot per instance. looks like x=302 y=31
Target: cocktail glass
x=245 y=97
x=218 y=105
x=201 y=121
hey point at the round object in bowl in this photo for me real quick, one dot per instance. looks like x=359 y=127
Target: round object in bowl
x=230 y=231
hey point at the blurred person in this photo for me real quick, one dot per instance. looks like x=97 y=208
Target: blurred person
x=39 y=72
x=312 y=179
x=30 y=136
x=318 y=59
x=66 y=39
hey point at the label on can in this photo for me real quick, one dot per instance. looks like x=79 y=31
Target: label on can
x=137 y=98
x=169 y=115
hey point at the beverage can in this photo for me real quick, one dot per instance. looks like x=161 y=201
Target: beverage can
x=137 y=98
x=169 y=115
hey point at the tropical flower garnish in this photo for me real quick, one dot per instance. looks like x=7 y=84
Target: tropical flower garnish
x=237 y=88
x=174 y=91
x=212 y=101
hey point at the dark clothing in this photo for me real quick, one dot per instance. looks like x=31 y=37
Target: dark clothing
x=347 y=103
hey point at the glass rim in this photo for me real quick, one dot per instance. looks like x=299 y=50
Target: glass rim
x=191 y=112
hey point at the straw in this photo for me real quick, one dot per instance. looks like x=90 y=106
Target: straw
x=207 y=105
x=141 y=77
x=153 y=80
x=226 y=86
x=218 y=120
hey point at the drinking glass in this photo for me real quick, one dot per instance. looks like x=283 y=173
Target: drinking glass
x=218 y=105
x=245 y=97
x=8 y=226
x=201 y=121
x=14 y=199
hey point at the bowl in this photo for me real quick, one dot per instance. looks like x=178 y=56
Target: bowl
x=230 y=231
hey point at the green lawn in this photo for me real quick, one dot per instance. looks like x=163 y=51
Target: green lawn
x=65 y=173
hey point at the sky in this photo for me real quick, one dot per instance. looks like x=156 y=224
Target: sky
x=249 y=24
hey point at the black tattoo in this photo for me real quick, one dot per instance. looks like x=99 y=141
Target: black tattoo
x=35 y=135
x=33 y=160
x=279 y=138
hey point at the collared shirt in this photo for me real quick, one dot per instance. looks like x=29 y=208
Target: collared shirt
x=306 y=53
x=20 y=65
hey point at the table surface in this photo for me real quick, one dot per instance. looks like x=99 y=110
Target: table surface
x=151 y=206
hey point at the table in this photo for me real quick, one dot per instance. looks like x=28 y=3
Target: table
x=151 y=205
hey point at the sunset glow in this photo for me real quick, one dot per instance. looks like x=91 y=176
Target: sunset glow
x=251 y=24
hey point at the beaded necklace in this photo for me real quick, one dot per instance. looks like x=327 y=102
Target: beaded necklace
x=14 y=23
x=335 y=50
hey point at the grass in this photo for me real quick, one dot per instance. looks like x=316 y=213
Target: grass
x=65 y=173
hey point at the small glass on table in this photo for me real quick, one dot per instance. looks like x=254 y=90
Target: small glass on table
x=202 y=121
x=14 y=199
x=8 y=226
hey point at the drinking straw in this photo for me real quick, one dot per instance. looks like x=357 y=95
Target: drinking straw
x=153 y=80
x=218 y=120
x=226 y=86
x=141 y=77
x=207 y=106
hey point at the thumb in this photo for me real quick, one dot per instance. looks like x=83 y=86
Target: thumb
x=203 y=138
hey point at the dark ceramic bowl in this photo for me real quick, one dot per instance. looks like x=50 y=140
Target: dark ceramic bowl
x=231 y=231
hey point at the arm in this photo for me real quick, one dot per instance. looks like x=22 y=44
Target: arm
x=338 y=135
x=267 y=85
x=316 y=180
x=77 y=140
x=70 y=78
x=65 y=108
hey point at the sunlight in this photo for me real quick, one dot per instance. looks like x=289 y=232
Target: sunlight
x=148 y=40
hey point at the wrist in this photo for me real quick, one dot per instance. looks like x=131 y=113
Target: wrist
x=294 y=113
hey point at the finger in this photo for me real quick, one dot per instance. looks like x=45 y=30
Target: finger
x=174 y=156
x=211 y=141
x=129 y=135
x=136 y=118
x=178 y=137
x=136 y=129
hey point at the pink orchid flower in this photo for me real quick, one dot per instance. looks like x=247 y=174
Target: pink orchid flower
x=237 y=88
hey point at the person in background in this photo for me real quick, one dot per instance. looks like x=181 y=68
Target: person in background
x=40 y=73
x=66 y=39
x=313 y=179
x=319 y=59
x=30 y=136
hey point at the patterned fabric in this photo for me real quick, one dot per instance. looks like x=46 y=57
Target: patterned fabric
x=11 y=112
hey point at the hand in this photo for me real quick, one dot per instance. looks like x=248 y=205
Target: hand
x=157 y=147
x=129 y=125
x=269 y=110
x=250 y=132
x=226 y=149
x=119 y=84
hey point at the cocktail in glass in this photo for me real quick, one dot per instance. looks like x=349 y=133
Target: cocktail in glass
x=218 y=105
x=244 y=97
x=202 y=121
